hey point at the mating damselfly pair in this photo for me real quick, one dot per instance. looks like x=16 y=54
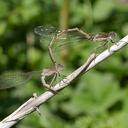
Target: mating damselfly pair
x=13 y=79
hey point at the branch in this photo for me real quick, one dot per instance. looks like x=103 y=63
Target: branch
x=32 y=104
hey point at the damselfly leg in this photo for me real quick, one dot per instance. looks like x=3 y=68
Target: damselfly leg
x=51 y=71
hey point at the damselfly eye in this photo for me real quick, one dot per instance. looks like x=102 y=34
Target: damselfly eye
x=112 y=34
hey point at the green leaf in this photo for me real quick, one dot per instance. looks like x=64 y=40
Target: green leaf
x=102 y=9
x=94 y=94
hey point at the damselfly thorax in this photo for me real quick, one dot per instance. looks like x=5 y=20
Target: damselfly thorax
x=103 y=36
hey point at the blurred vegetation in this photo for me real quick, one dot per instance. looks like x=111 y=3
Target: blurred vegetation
x=96 y=100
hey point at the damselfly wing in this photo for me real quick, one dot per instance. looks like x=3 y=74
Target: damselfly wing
x=11 y=79
x=62 y=37
x=73 y=35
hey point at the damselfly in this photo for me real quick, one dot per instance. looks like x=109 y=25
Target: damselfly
x=14 y=79
x=62 y=37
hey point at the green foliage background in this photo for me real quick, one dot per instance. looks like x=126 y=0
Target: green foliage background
x=96 y=100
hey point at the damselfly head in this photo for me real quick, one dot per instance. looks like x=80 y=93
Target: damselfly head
x=60 y=67
x=112 y=34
